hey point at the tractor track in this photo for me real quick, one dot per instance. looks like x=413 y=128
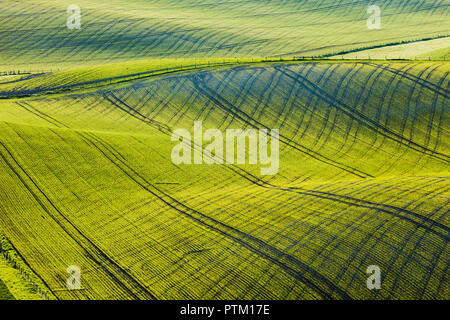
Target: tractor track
x=115 y=272
x=310 y=277
x=228 y=107
x=401 y=213
x=361 y=118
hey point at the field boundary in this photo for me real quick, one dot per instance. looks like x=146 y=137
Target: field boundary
x=391 y=44
x=37 y=91
x=16 y=261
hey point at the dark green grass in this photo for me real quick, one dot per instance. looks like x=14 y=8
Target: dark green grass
x=4 y=292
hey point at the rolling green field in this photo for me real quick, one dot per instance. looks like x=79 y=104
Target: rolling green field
x=436 y=49
x=34 y=33
x=87 y=179
x=363 y=180
x=13 y=285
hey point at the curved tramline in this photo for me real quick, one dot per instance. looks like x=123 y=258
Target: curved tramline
x=35 y=36
x=363 y=176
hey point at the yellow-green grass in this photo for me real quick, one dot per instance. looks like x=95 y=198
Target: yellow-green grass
x=436 y=49
x=106 y=74
x=12 y=285
x=80 y=78
x=18 y=278
x=4 y=292
x=34 y=35
x=438 y=54
x=86 y=179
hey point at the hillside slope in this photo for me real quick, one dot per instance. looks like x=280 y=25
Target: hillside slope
x=87 y=179
x=34 y=35
x=436 y=49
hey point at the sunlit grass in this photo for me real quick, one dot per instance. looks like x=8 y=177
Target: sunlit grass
x=363 y=180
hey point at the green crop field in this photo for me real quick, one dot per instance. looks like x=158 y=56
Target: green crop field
x=34 y=33
x=4 y=292
x=13 y=285
x=87 y=176
x=435 y=49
